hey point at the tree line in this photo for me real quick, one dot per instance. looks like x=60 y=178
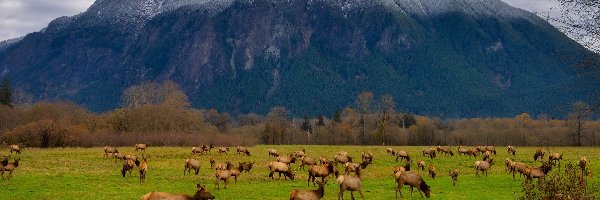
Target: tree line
x=160 y=114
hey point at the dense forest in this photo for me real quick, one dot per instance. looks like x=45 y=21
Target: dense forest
x=160 y=114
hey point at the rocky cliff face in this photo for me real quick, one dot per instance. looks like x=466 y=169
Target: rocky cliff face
x=446 y=58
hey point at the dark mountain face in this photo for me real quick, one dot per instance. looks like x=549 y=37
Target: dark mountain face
x=442 y=58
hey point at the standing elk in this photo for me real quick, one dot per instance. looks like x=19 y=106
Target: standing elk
x=539 y=153
x=223 y=166
x=223 y=150
x=351 y=183
x=143 y=170
x=247 y=166
x=390 y=151
x=583 y=162
x=323 y=160
x=207 y=148
x=431 y=170
x=307 y=161
x=109 y=150
x=287 y=159
x=368 y=156
x=273 y=152
x=483 y=166
x=197 y=150
x=519 y=167
x=429 y=152
x=490 y=149
x=212 y=162
x=14 y=148
x=454 y=175
x=235 y=171
x=309 y=194
x=538 y=172
x=191 y=164
x=223 y=175
x=321 y=171
x=509 y=164
x=421 y=164
x=342 y=158
x=553 y=157
x=280 y=167
x=487 y=155
x=119 y=156
x=445 y=150
x=413 y=180
x=299 y=154
x=404 y=168
x=9 y=167
x=462 y=151
x=242 y=149
x=141 y=147
x=356 y=167
x=402 y=154
x=201 y=194
x=128 y=165
x=511 y=150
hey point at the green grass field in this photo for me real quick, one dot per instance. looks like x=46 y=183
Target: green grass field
x=83 y=173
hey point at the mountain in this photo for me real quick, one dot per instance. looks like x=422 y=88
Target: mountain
x=450 y=58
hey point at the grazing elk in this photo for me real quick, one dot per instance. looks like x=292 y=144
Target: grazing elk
x=368 y=156
x=287 y=159
x=519 y=167
x=402 y=154
x=247 y=166
x=421 y=164
x=539 y=154
x=444 y=150
x=511 y=150
x=413 y=180
x=207 y=148
x=9 y=167
x=191 y=164
x=487 y=155
x=223 y=150
x=242 y=149
x=462 y=151
x=280 y=167
x=201 y=194
x=299 y=154
x=431 y=170
x=553 y=157
x=490 y=149
x=308 y=161
x=351 y=183
x=273 y=152
x=390 y=151
x=110 y=150
x=454 y=175
x=583 y=162
x=342 y=158
x=141 y=147
x=235 y=171
x=483 y=166
x=309 y=194
x=356 y=167
x=321 y=171
x=429 y=152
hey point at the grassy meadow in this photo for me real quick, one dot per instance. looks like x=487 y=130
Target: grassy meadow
x=83 y=173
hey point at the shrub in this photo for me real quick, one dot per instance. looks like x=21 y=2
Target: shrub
x=567 y=184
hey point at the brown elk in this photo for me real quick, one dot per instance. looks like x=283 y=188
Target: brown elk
x=356 y=167
x=480 y=149
x=454 y=175
x=128 y=165
x=143 y=170
x=197 y=150
x=509 y=164
x=511 y=150
x=342 y=158
x=490 y=149
x=9 y=167
x=321 y=171
x=309 y=194
x=247 y=166
x=368 y=156
x=539 y=153
x=351 y=183
x=287 y=159
x=519 y=167
x=413 y=180
x=212 y=162
x=390 y=151
x=553 y=157
x=402 y=154
x=538 y=172
x=323 y=160
x=119 y=156
x=109 y=150
x=404 y=168
x=431 y=170
x=444 y=150
x=242 y=149
x=235 y=171
x=207 y=148
x=141 y=147
x=223 y=175
x=308 y=161
x=462 y=151
x=273 y=152
x=223 y=166
x=299 y=154
x=429 y=152
x=421 y=164
x=487 y=155
x=583 y=162
x=223 y=150
x=280 y=167
x=191 y=164
x=483 y=166
x=201 y=194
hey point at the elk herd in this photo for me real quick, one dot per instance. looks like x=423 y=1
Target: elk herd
x=321 y=167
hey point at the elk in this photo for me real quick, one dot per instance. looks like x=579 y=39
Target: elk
x=483 y=166
x=235 y=171
x=308 y=161
x=445 y=150
x=207 y=148
x=342 y=158
x=519 y=167
x=454 y=175
x=14 y=148
x=402 y=154
x=141 y=147
x=509 y=165
x=110 y=150
x=273 y=152
x=242 y=149
x=222 y=166
x=429 y=152
x=368 y=156
x=247 y=166
x=480 y=149
x=191 y=164
x=404 y=168
x=223 y=150
x=222 y=175
x=323 y=160
x=287 y=159
x=9 y=167
x=197 y=150
x=538 y=172
x=487 y=155
x=462 y=151
x=321 y=171
x=431 y=170
x=299 y=154
x=128 y=165
x=490 y=149
x=583 y=162
x=143 y=170
x=351 y=183
x=212 y=162
x=421 y=164
x=539 y=153
x=309 y=194
x=356 y=167
x=201 y=194
x=511 y=150
x=390 y=151
x=413 y=180
x=280 y=167
x=553 y=157
x=118 y=156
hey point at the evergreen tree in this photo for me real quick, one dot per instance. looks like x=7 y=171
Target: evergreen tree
x=6 y=93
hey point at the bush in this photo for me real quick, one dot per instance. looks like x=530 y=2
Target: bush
x=45 y=133
x=567 y=184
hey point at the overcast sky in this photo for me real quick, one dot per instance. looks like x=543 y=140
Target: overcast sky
x=19 y=17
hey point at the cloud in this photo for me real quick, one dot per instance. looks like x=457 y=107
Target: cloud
x=19 y=17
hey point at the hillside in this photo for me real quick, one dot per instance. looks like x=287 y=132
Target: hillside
x=440 y=58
